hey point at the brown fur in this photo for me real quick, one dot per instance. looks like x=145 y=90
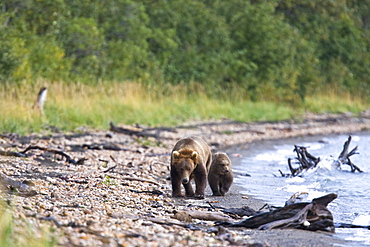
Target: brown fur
x=190 y=159
x=220 y=176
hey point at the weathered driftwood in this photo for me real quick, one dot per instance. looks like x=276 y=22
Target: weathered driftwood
x=131 y=131
x=142 y=132
x=150 y=192
x=140 y=180
x=311 y=216
x=105 y=146
x=204 y=215
x=344 y=156
x=11 y=153
x=305 y=160
x=31 y=147
x=16 y=187
x=241 y=212
x=346 y=225
x=66 y=156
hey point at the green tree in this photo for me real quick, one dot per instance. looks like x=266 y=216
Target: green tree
x=84 y=44
x=125 y=26
x=190 y=41
x=280 y=50
x=339 y=37
x=269 y=55
x=28 y=45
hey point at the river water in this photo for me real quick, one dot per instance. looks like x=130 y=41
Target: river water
x=257 y=171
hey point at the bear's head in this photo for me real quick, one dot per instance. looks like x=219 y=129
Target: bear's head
x=222 y=163
x=185 y=161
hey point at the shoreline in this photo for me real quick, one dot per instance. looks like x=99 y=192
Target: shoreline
x=120 y=194
x=328 y=124
x=275 y=237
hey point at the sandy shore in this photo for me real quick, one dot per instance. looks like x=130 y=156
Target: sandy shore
x=120 y=194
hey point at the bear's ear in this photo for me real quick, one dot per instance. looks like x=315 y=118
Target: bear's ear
x=194 y=155
x=175 y=154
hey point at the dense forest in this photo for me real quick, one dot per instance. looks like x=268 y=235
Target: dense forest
x=274 y=49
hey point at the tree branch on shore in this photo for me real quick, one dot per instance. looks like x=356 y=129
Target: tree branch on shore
x=139 y=132
x=11 y=153
x=66 y=156
x=311 y=216
x=188 y=215
x=140 y=180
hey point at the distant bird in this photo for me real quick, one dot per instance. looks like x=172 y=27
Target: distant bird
x=41 y=98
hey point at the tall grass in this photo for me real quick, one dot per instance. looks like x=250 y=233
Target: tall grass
x=69 y=106
x=336 y=103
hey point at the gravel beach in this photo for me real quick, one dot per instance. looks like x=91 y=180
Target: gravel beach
x=114 y=189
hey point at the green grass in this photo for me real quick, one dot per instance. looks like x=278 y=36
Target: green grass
x=336 y=104
x=70 y=106
x=18 y=231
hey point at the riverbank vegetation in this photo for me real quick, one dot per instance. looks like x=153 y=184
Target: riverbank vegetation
x=157 y=62
x=69 y=106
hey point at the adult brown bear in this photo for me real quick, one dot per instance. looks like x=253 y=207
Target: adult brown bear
x=190 y=159
x=220 y=176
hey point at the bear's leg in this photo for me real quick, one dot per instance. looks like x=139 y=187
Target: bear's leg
x=176 y=185
x=222 y=190
x=200 y=183
x=218 y=189
x=213 y=183
x=189 y=189
x=225 y=185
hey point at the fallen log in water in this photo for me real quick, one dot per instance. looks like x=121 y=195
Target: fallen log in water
x=344 y=156
x=311 y=216
x=305 y=160
x=346 y=225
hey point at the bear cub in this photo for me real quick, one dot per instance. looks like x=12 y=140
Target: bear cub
x=220 y=176
x=190 y=160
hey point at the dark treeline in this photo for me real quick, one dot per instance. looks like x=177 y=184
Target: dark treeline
x=275 y=50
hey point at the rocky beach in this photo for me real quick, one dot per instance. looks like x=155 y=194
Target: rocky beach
x=112 y=187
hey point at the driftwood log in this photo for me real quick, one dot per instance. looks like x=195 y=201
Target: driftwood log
x=131 y=131
x=58 y=152
x=305 y=160
x=188 y=215
x=142 y=132
x=31 y=147
x=240 y=212
x=344 y=156
x=11 y=153
x=311 y=216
